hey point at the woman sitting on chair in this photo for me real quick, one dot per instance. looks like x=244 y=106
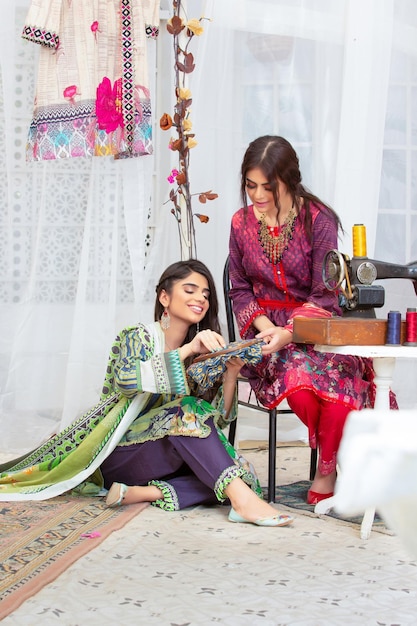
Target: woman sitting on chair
x=277 y=246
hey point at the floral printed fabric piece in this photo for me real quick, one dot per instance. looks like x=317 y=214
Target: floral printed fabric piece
x=92 y=96
x=207 y=373
x=181 y=417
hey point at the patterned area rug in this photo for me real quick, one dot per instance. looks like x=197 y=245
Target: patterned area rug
x=294 y=496
x=39 y=540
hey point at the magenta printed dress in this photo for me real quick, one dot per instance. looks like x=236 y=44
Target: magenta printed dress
x=92 y=96
x=296 y=282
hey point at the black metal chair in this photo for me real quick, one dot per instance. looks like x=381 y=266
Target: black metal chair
x=272 y=434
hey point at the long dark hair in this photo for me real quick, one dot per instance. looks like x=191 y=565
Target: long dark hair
x=277 y=159
x=178 y=271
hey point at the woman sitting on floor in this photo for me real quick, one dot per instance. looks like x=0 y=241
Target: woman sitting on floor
x=149 y=440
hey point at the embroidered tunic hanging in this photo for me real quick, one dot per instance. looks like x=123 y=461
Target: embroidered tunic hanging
x=92 y=96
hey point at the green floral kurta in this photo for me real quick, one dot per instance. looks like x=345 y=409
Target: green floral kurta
x=146 y=396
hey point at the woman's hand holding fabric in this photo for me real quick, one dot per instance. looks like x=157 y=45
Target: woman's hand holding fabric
x=204 y=341
x=233 y=367
x=210 y=370
x=275 y=339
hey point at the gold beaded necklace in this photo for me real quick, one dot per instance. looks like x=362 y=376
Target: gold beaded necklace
x=275 y=245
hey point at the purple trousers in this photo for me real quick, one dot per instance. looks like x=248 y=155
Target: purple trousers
x=190 y=465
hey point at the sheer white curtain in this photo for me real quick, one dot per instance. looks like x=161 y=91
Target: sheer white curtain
x=315 y=72
x=73 y=257
x=337 y=78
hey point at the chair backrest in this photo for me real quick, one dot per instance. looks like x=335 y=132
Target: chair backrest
x=228 y=303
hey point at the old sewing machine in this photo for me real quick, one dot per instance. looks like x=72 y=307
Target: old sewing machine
x=354 y=278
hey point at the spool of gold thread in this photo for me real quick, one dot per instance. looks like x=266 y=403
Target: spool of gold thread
x=359 y=240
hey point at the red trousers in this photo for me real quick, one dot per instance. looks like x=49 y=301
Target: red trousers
x=325 y=421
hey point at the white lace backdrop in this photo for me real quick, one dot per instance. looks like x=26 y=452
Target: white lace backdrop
x=82 y=242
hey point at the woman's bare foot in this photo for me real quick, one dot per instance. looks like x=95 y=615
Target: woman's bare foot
x=148 y=493
x=247 y=504
x=322 y=483
x=122 y=494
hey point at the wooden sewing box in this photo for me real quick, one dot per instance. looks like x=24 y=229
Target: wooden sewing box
x=342 y=331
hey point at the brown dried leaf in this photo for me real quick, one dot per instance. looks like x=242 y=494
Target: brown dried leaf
x=181 y=178
x=186 y=69
x=189 y=60
x=165 y=122
x=175 y=25
x=203 y=218
x=176 y=144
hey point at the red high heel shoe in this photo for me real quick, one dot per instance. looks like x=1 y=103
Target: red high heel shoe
x=313 y=497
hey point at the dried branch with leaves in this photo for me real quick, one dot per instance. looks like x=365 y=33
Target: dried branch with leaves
x=183 y=31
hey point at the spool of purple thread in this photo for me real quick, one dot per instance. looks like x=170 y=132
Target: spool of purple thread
x=394 y=329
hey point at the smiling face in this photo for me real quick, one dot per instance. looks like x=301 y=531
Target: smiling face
x=188 y=300
x=259 y=191
x=263 y=198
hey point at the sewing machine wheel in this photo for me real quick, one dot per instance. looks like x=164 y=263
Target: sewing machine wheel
x=333 y=272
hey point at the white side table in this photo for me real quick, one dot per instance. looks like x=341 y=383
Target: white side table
x=384 y=358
